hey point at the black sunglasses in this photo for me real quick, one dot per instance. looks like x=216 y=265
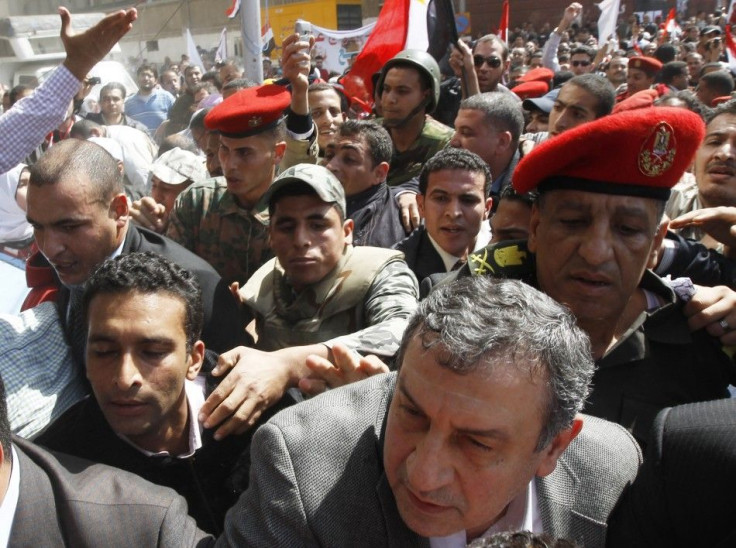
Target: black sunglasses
x=493 y=62
x=580 y=63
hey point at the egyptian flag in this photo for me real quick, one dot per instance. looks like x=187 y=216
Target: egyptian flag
x=671 y=28
x=503 y=25
x=233 y=10
x=267 y=41
x=402 y=24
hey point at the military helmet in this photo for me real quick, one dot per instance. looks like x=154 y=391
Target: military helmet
x=424 y=63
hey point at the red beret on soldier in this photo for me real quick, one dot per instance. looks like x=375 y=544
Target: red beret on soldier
x=530 y=90
x=640 y=152
x=649 y=65
x=249 y=111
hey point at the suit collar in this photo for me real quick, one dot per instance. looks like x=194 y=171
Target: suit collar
x=37 y=499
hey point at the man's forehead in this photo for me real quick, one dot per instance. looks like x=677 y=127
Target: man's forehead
x=323 y=96
x=722 y=122
x=448 y=180
x=352 y=142
x=561 y=199
x=309 y=205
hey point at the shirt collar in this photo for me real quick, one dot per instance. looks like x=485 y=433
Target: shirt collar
x=522 y=514
x=448 y=260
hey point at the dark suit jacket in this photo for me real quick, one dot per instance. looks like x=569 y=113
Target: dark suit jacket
x=317 y=478
x=420 y=254
x=222 y=330
x=66 y=501
x=685 y=494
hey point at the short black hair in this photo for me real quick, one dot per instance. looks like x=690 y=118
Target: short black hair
x=149 y=272
x=455 y=158
x=16 y=91
x=584 y=50
x=719 y=82
x=600 y=88
x=147 y=66
x=380 y=146
x=111 y=86
x=672 y=70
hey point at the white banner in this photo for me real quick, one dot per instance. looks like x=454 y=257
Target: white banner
x=339 y=47
x=607 y=20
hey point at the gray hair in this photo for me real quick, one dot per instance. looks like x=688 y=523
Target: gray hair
x=482 y=322
x=501 y=110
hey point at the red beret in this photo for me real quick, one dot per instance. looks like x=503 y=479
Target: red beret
x=640 y=152
x=249 y=111
x=530 y=90
x=650 y=65
x=641 y=99
x=539 y=74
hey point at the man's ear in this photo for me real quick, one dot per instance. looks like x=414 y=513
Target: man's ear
x=380 y=172
x=533 y=227
x=557 y=446
x=119 y=209
x=504 y=139
x=196 y=359
x=347 y=228
x=655 y=253
x=96 y=132
x=488 y=208
x=420 y=205
x=279 y=149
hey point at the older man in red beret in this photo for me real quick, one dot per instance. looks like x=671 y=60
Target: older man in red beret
x=595 y=230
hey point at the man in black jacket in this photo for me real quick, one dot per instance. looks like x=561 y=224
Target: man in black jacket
x=144 y=318
x=359 y=157
x=80 y=216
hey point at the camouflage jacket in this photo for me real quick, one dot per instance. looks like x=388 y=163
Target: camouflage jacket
x=363 y=303
x=207 y=221
x=407 y=164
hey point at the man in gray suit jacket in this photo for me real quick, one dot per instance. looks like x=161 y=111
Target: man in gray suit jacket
x=477 y=433
x=48 y=501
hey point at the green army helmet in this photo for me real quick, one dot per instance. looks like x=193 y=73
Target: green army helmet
x=424 y=63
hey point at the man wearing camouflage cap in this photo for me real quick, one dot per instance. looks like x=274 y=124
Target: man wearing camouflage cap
x=317 y=292
x=595 y=230
x=171 y=174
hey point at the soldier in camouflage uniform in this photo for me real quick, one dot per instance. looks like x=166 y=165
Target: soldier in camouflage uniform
x=319 y=291
x=409 y=87
x=218 y=219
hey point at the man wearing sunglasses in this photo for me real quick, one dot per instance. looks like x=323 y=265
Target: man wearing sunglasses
x=581 y=60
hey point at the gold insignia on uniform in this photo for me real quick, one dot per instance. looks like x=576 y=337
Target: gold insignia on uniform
x=658 y=150
x=255 y=121
x=479 y=264
x=509 y=256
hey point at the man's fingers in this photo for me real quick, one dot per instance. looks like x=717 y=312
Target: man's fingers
x=414 y=214
x=323 y=369
x=372 y=365
x=345 y=359
x=66 y=23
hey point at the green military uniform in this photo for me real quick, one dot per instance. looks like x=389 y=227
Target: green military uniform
x=406 y=165
x=364 y=303
x=657 y=363
x=207 y=221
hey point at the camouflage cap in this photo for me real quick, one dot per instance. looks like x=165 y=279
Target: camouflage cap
x=176 y=166
x=324 y=183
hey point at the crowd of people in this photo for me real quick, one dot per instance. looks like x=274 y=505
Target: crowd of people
x=497 y=310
